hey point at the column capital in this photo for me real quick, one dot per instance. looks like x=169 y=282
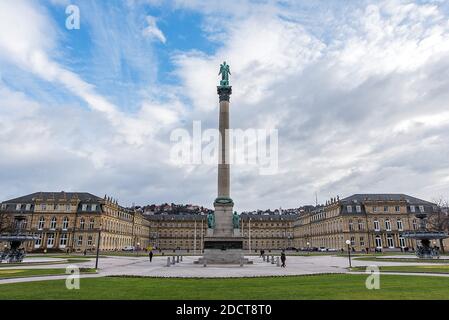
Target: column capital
x=224 y=92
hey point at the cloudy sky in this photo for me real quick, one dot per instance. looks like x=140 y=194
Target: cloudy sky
x=358 y=91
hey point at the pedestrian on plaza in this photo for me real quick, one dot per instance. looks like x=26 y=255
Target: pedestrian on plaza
x=85 y=252
x=283 y=258
x=150 y=255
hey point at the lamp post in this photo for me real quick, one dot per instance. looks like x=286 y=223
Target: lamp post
x=348 y=242
x=137 y=249
x=249 y=235
x=308 y=248
x=98 y=247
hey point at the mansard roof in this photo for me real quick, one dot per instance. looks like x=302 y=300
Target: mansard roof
x=57 y=196
x=364 y=197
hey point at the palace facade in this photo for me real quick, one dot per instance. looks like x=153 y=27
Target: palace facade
x=74 y=221
x=369 y=221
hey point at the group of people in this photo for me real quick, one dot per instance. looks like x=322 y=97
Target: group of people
x=283 y=257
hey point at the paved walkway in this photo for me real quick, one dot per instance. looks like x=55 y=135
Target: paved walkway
x=141 y=266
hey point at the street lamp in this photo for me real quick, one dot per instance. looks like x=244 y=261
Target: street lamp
x=98 y=247
x=308 y=247
x=137 y=249
x=348 y=242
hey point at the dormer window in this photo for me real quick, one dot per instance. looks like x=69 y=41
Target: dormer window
x=28 y=207
x=412 y=208
x=84 y=207
x=349 y=208
x=18 y=206
x=421 y=208
x=358 y=209
x=94 y=207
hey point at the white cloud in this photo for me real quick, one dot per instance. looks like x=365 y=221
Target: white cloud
x=152 y=31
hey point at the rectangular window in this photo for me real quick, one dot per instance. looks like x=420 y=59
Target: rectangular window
x=50 y=240
x=84 y=207
x=374 y=209
x=43 y=207
x=402 y=242
x=397 y=209
x=376 y=226
x=80 y=241
x=400 y=226
x=361 y=225
x=390 y=242
x=358 y=209
x=387 y=225
x=89 y=241
x=38 y=241
x=94 y=207
x=349 y=208
x=63 y=240
x=67 y=207
x=352 y=241
x=412 y=208
x=421 y=208
x=28 y=207
x=385 y=208
x=18 y=206
x=378 y=242
x=362 y=241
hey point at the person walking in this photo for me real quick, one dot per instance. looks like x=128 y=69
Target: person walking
x=283 y=258
x=150 y=255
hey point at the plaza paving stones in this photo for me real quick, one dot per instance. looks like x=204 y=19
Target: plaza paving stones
x=141 y=266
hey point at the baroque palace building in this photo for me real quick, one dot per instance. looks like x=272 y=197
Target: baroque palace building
x=66 y=220
x=73 y=221
x=369 y=221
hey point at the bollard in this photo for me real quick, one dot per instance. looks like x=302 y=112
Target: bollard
x=268 y=259
x=173 y=260
x=241 y=261
x=263 y=258
x=272 y=259
x=177 y=259
x=278 y=262
x=204 y=262
x=168 y=262
x=181 y=258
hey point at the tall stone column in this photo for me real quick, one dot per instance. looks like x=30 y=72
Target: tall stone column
x=223 y=157
x=223 y=203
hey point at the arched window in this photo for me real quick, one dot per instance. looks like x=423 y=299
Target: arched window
x=378 y=242
x=41 y=223
x=65 y=223
x=53 y=223
x=387 y=225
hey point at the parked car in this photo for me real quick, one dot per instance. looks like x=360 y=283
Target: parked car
x=322 y=249
x=332 y=250
x=128 y=248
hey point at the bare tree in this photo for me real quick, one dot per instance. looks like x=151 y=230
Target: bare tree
x=438 y=220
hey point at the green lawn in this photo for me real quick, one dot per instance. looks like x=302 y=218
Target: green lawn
x=420 y=269
x=21 y=273
x=336 y=286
